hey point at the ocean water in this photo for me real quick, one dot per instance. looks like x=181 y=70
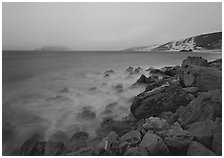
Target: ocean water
x=45 y=92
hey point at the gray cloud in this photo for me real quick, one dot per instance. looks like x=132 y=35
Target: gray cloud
x=102 y=26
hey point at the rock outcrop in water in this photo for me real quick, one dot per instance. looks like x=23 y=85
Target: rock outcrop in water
x=180 y=114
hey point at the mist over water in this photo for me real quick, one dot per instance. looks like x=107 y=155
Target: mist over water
x=48 y=92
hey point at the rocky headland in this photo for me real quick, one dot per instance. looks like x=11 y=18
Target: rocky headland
x=179 y=113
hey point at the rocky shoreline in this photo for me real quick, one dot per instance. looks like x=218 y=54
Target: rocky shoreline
x=179 y=113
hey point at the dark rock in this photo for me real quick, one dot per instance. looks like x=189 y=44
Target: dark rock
x=136 y=151
x=119 y=88
x=130 y=118
x=167 y=97
x=59 y=136
x=203 y=131
x=208 y=105
x=34 y=146
x=64 y=90
x=109 y=72
x=136 y=70
x=150 y=69
x=109 y=125
x=144 y=80
x=53 y=149
x=194 y=61
x=156 y=71
x=202 y=77
x=87 y=113
x=169 y=116
x=86 y=151
x=156 y=124
x=130 y=69
x=217 y=143
x=177 y=139
x=108 y=146
x=154 y=145
x=191 y=90
x=217 y=64
x=92 y=89
x=155 y=84
x=132 y=137
x=196 y=149
x=106 y=76
x=78 y=141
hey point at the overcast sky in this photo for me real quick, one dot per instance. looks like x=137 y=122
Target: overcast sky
x=105 y=26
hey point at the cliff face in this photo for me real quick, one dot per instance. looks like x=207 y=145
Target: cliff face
x=211 y=41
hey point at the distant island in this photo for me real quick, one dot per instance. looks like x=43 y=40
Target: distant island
x=53 y=48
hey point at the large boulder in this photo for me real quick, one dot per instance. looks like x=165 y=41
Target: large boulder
x=203 y=78
x=34 y=146
x=208 y=105
x=108 y=125
x=203 y=131
x=136 y=151
x=59 y=136
x=53 y=149
x=108 y=146
x=154 y=145
x=196 y=149
x=177 y=139
x=129 y=139
x=217 y=64
x=194 y=61
x=167 y=97
x=156 y=124
x=77 y=141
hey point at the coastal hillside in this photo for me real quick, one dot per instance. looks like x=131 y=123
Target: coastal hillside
x=211 y=41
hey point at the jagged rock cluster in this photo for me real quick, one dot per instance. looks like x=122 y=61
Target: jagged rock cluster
x=178 y=114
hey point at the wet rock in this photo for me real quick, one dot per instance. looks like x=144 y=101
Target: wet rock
x=34 y=146
x=202 y=77
x=108 y=146
x=169 y=116
x=119 y=88
x=92 y=89
x=109 y=125
x=132 y=137
x=177 y=139
x=217 y=64
x=150 y=68
x=59 y=136
x=130 y=118
x=106 y=76
x=144 y=80
x=154 y=145
x=64 y=90
x=167 y=97
x=196 y=149
x=156 y=84
x=136 y=70
x=156 y=124
x=217 y=143
x=130 y=69
x=203 y=131
x=78 y=141
x=194 y=61
x=53 y=149
x=86 y=114
x=109 y=72
x=208 y=105
x=156 y=71
x=86 y=151
x=170 y=71
x=136 y=151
